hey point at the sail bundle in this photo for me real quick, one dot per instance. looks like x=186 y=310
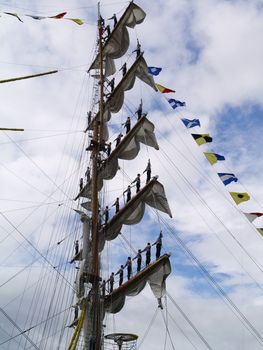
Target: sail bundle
x=152 y=194
x=138 y=69
x=118 y=42
x=155 y=275
x=142 y=132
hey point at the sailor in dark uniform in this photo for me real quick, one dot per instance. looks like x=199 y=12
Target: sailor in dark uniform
x=120 y=272
x=114 y=17
x=148 y=171
x=127 y=125
x=128 y=191
x=117 y=205
x=147 y=249
x=139 y=260
x=137 y=182
x=158 y=243
x=129 y=267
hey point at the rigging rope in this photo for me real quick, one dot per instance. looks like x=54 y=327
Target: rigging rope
x=18 y=328
x=189 y=321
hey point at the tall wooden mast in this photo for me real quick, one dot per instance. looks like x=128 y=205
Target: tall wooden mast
x=97 y=140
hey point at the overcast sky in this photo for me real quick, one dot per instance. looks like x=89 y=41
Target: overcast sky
x=211 y=53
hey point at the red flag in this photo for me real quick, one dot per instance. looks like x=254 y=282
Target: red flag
x=163 y=89
x=59 y=15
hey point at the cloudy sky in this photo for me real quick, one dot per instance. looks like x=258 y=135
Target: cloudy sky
x=211 y=53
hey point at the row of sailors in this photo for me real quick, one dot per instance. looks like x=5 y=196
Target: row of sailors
x=136 y=182
x=110 y=282
x=127 y=124
x=128 y=264
x=128 y=192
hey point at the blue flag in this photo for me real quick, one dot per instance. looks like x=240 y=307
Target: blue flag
x=154 y=70
x=191 y=123
x=227 y=178
x=175 y=103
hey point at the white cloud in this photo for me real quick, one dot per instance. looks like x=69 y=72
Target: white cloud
x=211 y=54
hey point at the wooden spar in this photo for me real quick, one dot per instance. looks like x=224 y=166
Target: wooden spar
x=11 y=129
x=27 y=77
x=136 y=279
x=130 y=203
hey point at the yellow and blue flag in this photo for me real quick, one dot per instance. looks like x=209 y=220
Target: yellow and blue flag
x=213 y=157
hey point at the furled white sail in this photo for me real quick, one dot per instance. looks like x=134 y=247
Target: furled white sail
x=140 y=70
x=156 y=279
x=118 y=42
x=153 y=195
x=142 y=132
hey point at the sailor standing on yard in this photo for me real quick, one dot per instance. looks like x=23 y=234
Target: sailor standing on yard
x=128 y=191
x=127 y=125
x=118 y=139
x=111 y=84
x=148 y=171
x=87 y=174
x=106 y=215
x=137 y=182
x=138 y=49
x=76 y=312
x=114 y=17
x=81 y=184
x=147 y=249
x=124 y=69
x=108 y=149
x=139 y=260
x=117 y=205
x=111 y=280
x=76 y=247
x=129 y=267
x=89 y=117
x=158 y=243
x=120 y=272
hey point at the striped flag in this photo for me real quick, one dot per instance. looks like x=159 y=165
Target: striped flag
x=227 y=178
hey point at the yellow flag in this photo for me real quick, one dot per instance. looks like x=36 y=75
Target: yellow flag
x=76 y=20
x=240 y=197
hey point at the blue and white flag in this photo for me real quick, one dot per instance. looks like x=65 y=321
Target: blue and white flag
x=154 y=70
x=227 y=178
x=175 y=103
x=191 y=123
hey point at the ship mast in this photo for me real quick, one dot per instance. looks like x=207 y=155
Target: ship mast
x=97 y=140
x=95 y=303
